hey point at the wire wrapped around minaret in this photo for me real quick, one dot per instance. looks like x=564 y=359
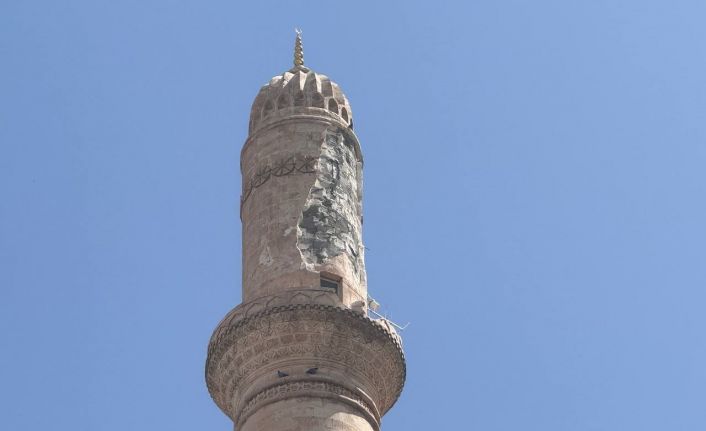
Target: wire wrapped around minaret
x=298 y=49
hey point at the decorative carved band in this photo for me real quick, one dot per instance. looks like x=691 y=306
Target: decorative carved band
x=284 y=298
x=315 y=388
x=281 y=168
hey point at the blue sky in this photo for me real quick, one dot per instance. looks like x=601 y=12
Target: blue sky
x=535 y=203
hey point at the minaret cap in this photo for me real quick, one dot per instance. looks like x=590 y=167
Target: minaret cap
x=296 y=89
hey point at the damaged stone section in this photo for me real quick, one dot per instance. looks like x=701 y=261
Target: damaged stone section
x=331 y=218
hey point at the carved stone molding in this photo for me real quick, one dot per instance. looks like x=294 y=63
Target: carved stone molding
x=285 y=297
x=311 y=116
x=247 y=348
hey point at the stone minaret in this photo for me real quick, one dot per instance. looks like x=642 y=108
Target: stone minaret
x=301 y=353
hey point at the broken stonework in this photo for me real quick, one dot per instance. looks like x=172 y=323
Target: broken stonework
x=330 y=222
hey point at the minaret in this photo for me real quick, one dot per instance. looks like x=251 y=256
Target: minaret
x=301 y=353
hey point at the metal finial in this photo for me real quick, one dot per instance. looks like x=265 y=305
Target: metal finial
x=298 y=49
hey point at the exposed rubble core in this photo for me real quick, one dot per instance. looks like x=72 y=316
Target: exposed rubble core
x=331 y=218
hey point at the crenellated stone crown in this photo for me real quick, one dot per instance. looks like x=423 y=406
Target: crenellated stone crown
x=296 y=91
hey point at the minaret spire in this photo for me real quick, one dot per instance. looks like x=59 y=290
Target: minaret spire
x=298 y=49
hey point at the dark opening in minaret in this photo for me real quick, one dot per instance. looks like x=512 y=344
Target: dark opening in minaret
x=344 y=114
x=333 y=106
x=329 y=282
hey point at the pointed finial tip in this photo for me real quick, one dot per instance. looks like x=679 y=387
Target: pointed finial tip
x=298 y=49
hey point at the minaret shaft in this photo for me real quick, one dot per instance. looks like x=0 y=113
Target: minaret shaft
x=314 y=413
x=301 y=210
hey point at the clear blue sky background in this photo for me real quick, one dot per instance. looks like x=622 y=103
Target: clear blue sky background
x=535 y=203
